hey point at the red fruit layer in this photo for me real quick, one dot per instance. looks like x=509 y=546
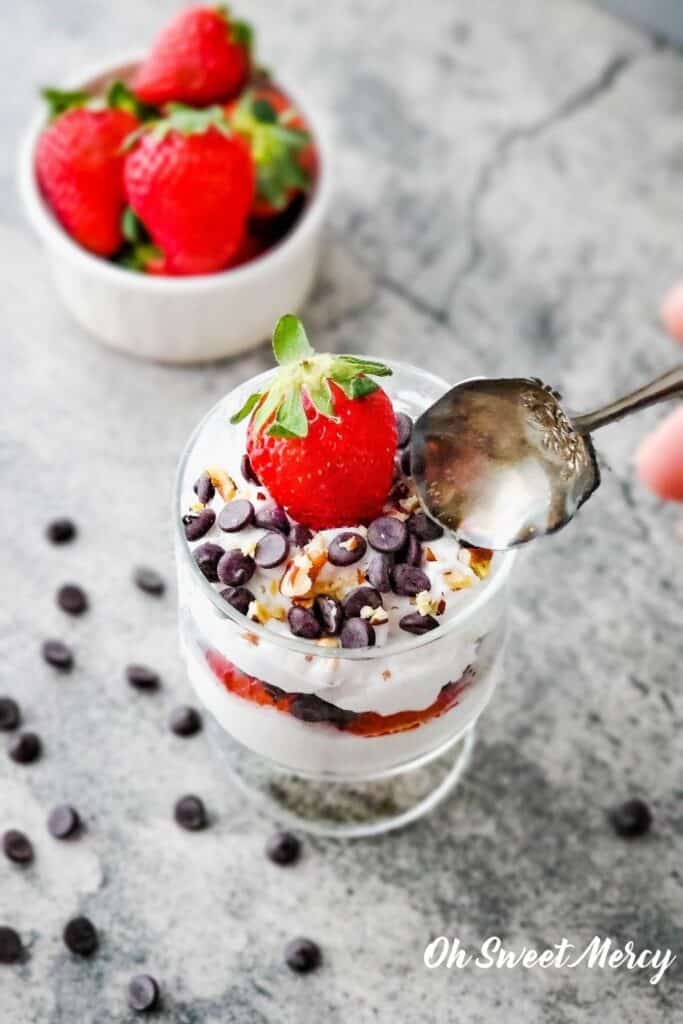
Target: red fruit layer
x=362 y=723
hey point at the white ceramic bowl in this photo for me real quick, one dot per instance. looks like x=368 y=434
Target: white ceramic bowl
x=176 y=319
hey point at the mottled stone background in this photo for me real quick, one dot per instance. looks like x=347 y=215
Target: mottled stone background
x=508 y=201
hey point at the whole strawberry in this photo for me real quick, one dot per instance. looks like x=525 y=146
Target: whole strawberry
x=201 y=57
x=79 y=165
x=322 y=439
x=191 y=183
x=280 y=144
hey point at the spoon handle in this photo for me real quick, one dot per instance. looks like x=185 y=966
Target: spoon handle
x=667 y=386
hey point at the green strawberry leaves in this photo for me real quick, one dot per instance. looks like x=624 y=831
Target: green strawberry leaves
x=282 y=408
x=120 y=97
x=61 y=100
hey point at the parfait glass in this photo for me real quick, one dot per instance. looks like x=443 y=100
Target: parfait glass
x=390 y=728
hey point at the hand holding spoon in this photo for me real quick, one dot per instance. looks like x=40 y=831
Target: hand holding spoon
x=501 y=462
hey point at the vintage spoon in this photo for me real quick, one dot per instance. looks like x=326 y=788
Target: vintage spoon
x=500 y=462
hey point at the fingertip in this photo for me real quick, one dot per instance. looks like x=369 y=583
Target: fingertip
x=672 y=312
x=659 y=459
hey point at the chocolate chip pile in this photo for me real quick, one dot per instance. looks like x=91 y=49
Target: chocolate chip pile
x=64 y=822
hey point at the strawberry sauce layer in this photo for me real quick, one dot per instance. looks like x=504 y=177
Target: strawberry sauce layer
x=310 y=708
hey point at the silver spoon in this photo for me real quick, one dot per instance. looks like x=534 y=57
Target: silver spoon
x=500 y=462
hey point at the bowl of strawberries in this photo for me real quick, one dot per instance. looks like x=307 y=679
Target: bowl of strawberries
x=181 y=195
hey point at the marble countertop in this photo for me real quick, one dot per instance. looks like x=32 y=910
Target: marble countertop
x=508 y=202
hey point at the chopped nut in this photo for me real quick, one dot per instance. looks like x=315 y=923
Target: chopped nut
x=441 y=608
x=395 y=513
x=366 y=611
x=251 y=638
x=464 y=556
x=328 y=641
x=378 y=617
x=426 y=604
x=480 y=562
x=457 y=580
x=297 y=580
x=259 y=612
x=386 y=675
x=248 y=547
x=430 y=556
x=411 y=503
x=223 y=482
x=351 y=544
x=308 y=657
x=272 y=585
x=196 y=506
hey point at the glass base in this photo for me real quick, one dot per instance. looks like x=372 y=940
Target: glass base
x=347 y=809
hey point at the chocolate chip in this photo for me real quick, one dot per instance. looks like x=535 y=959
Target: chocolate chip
x=387 y=534
x=80 y=936
x=359 y=598
x=248 y=471
x=411 y=553
x=424 y=527
x=283 y=848
x=58 y=655
x=631 y=819
x=207 y=556
x=142 y=677
x=143 y=993
x=11 y=949
x=17 y=846
x=303 y=955
x=329 y=612
x=236 y=515
x=379 y=567
x=408 y=580
x=357 y=633
x=303 y=623
x=307 y=707
x=25 y=747
x=197 y=524
x=404 y=429
x=63 y=821
x=346 y=548
x=61 y=531
x=272 y=517
x=149 y=580
x=301 y=535
x=190 y=813
x=10 y=715
x=271 y=550
x=239 y=597
x=71 y=599
x=203 y=488
x=418 y=624
x=235 y=569
x=185 y=721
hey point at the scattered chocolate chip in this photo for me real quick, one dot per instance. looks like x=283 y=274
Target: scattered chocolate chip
x=248 y=471
x=10 y=715
x=283 y=848
x=272 y=517
x=418 y=624
x=17 y=846
x=185 y=721
x=309 y=708
x=408 y=580
x=301 y=535
x=190 y=813
x=11 y=949
x=149 y=580
x=359 y=598
x=142 y=677
x=71 y=599
x=143 y=993
x=63 y=821
x=207 y=556
x=387 y=534
x=404 y=429
x=235 y=569
x=346 y=548
x=61 y=531
x=197 y=524
x=411 y=553
x=239 y=597
x=424 y=527
x=203 y=488
x=25 y=747
x=379 y=567
x=303 y=955
x=271 y=550
x=235 y=515
x=303 y=623
x=631 y=819
x=329 y=612
x=357 y=633
x=80 y=936
x=58 y=654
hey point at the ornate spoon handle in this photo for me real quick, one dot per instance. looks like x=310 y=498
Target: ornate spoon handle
x=670 y=385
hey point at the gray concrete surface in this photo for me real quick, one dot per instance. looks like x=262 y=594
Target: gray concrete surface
x=508 y=201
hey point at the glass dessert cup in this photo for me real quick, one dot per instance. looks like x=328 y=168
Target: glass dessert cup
x=347 y=742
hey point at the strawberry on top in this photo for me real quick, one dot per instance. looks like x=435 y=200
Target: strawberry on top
x=323 y=437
